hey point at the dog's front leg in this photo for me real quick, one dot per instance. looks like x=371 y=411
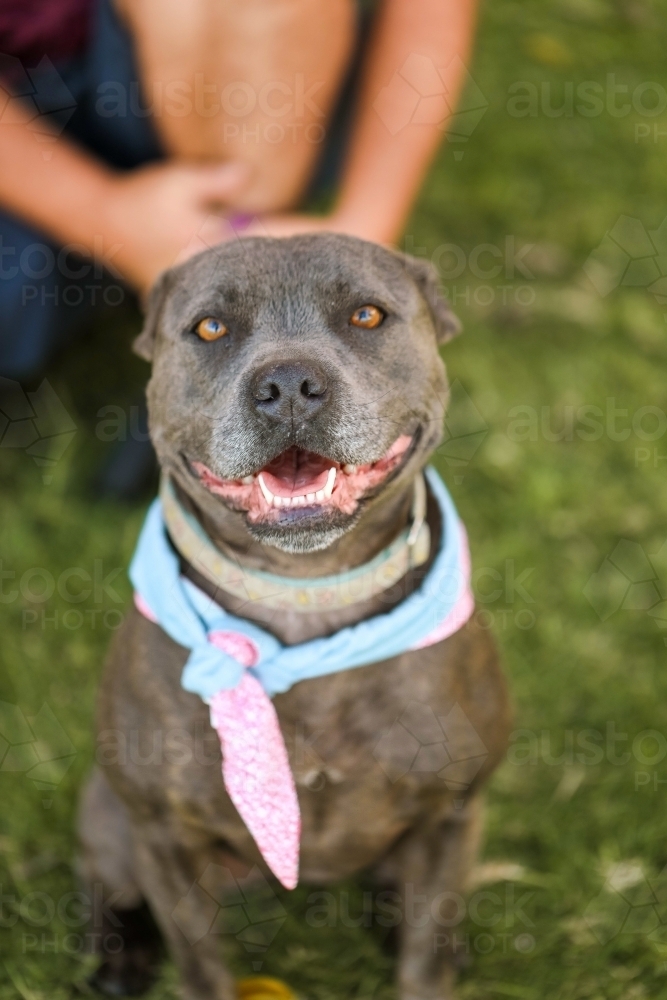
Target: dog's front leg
x=169 y=863
x=433 y=869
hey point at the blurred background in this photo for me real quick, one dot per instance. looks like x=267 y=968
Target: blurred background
x=546 y=214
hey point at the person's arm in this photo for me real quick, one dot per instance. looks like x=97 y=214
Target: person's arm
x=387 y=157
x=138 y=222
x=50 y=183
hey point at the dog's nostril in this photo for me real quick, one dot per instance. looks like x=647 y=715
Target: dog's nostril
x=267 y=393
x=312 y=388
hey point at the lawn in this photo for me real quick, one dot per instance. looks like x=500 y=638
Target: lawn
x=546 y=227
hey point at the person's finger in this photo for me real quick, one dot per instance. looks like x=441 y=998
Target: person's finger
x=212 y=185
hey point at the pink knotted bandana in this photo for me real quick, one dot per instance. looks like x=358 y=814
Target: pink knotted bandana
x=255 y=765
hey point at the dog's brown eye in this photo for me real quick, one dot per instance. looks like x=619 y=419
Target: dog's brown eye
x=210 y=329
x=368 y=317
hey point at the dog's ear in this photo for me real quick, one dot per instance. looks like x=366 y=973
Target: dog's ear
x=426 y=277
x=145 y=342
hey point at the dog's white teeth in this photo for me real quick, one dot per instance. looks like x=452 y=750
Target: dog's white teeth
x=289 y=501
x=328 y=489
x=300 y=501
x=350 y=469
x=268 y=495
x=248 y=480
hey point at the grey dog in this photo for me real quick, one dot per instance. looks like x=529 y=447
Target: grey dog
x=270 y=354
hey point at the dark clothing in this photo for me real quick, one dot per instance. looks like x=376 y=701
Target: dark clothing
x=32 y=29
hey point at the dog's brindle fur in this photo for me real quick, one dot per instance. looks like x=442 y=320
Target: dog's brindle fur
x=153 y=820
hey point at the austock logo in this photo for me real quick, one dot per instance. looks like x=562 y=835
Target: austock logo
x=630 y=256
x=36 y=746
x=218 y=903
x=420 y=741
x=464 y=430
x=630 y=579
x=42 y=93
x=36 y=422
x=630 y=902
x=417 y=94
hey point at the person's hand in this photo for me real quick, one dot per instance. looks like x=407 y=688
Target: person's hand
x=163 y=213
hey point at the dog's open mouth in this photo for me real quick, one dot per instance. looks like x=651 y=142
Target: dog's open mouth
x=297 y=481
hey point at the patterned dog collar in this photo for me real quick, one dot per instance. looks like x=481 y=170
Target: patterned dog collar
x=409 y=550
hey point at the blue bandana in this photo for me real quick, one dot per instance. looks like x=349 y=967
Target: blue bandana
x=439 y=607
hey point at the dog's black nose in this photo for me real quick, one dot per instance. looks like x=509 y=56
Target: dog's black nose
x=285 y=391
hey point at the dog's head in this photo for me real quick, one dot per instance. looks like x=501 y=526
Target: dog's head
x=296 y=380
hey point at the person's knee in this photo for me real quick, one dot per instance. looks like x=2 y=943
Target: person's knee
x=41 y=303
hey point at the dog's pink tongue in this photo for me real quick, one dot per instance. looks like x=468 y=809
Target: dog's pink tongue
x=296 y=473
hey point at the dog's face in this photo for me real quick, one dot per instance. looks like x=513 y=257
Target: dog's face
x=296 y=380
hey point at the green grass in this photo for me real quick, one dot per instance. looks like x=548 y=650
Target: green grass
x=569 y=814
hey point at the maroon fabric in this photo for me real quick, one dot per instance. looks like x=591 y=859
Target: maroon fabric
x=31 y=29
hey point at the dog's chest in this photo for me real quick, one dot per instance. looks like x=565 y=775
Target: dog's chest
x=354 y=804
x=352 y=811
x=370 y=748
